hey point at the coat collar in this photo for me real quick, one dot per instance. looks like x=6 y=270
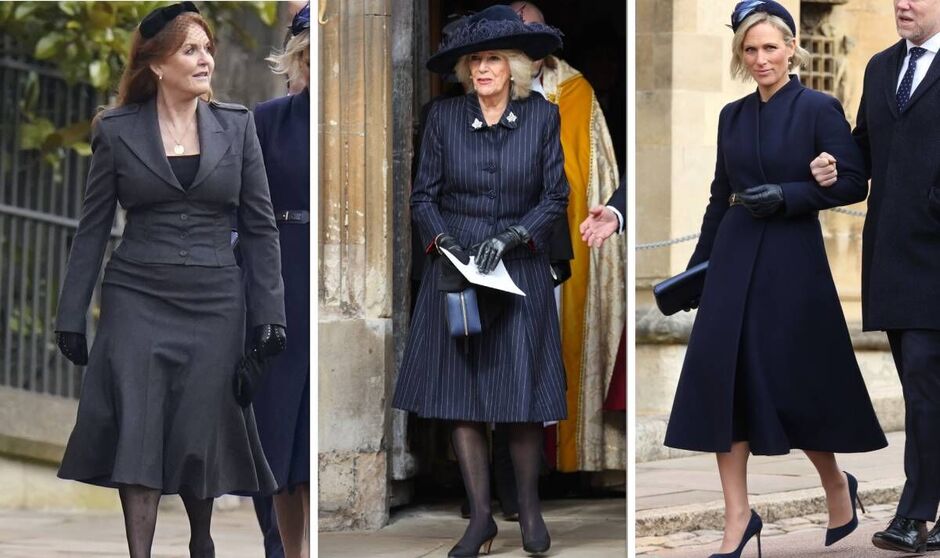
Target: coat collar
x=144 y=140
x=895 y=59
x=791 y=87
x=509 y=119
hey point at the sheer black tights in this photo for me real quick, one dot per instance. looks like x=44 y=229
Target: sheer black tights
x=525 y=446
x=140 y=520
x=472 y=450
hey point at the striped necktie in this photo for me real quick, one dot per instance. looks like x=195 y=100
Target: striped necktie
x=904 y=90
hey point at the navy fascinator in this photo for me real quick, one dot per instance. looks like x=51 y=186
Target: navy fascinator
x=748 y=7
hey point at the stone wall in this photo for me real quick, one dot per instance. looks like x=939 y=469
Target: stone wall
x=356 y=355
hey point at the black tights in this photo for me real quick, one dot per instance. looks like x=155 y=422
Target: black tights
x=140 y=520
x=472 y=450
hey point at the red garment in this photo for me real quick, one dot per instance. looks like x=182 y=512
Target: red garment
x=617 y=392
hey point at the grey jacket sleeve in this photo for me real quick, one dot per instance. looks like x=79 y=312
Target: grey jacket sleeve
x=258 y=237
x=91 y=239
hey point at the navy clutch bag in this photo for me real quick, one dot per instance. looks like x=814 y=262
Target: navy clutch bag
x=682 y=291
x=463 y=313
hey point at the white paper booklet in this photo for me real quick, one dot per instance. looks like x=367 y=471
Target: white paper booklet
x=497 y=279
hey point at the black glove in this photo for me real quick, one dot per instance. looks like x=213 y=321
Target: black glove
x=492 y=249
x=247 y=375
x=450 y=279
x=269 y=340
x=73 y=346
x=449 y=243
x=762 y=201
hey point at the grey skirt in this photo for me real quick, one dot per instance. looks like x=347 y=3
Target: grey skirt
x=157 y=407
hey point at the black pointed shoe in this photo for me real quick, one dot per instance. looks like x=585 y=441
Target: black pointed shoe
x=933 y=538
x=902 y=535
x=838 y=533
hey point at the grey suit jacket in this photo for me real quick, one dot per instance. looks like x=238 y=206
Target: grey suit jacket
x=167 y=224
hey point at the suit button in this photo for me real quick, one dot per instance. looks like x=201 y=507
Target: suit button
x=184 y=234
x=183 y=216
x=491 y=194
x=184 y=253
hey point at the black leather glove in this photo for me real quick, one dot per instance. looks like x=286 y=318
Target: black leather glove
x=247 y=375
x=492 y=249
x=451 y=280
x=73 y=346
x=269 y=340
x=762 y=201
x=449 y=243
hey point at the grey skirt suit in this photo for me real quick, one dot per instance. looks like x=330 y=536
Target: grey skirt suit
x=157 y=406
x=473 y=182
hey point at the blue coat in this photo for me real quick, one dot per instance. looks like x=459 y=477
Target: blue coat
x=901 y=245
x=282 y=401
x=473 y=182
x=770 y=360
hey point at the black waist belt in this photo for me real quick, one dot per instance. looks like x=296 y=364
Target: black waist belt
x=301 y=216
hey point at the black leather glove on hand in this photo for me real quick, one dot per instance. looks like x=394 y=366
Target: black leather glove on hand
x=762 y=201
x=270 y=339
x=450 y=280
x=73 y=346
x=247 y=375
x=492 y=249
x=449 y=243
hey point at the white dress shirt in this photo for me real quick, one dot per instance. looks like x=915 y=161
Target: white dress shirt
x=931 y=45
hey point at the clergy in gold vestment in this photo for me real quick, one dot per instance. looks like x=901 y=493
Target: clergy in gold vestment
x=593 y=300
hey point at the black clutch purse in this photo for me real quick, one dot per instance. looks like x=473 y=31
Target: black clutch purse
x=680 y=292
x=463 y=313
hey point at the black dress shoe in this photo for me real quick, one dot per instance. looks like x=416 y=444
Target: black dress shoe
x=933 y=538
x=903 y=535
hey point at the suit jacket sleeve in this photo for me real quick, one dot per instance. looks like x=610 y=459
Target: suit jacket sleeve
x=258 y=237
x=832 y=135
x=91 y=239
x=717 y=205
x=618 y=199
x=540 y=220
x=429 y=181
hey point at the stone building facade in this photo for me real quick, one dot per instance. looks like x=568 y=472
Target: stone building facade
x=683 y=81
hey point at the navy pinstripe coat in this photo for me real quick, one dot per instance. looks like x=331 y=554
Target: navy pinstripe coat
x=474 y=181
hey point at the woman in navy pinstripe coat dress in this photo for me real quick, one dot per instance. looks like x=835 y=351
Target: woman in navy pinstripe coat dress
x=490 y=183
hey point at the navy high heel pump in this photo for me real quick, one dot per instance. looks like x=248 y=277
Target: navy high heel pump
x=754 y=526
x=837 y=533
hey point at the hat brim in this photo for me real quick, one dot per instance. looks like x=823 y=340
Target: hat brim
x=535 y=44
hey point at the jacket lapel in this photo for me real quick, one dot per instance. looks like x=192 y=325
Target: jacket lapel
x=144 y=140
x=892 y=68
x=933 y=72
x=213 y=143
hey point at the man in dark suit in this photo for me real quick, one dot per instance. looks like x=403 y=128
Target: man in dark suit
x=898 y=130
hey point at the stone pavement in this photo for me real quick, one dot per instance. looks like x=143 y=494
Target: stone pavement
x=38 y=534
x=679 y=500
x=579 y=529
x=799 y=540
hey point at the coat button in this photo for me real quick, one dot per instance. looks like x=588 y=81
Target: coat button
x=184 y=234
x=183 y=216
x=184 y=253
x=491 y=194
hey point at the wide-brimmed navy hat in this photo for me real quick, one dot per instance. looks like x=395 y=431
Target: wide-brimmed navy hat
x=748 y=7
x=495 y=28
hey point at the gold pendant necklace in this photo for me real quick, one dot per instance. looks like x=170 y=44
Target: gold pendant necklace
x=178 y=148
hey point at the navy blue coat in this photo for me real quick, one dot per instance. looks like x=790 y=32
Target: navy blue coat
x=770 y=360
x=282 y=402
x=473 y=182
x=901 y=244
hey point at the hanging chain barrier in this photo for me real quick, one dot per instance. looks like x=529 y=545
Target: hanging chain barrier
x=688 y=237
